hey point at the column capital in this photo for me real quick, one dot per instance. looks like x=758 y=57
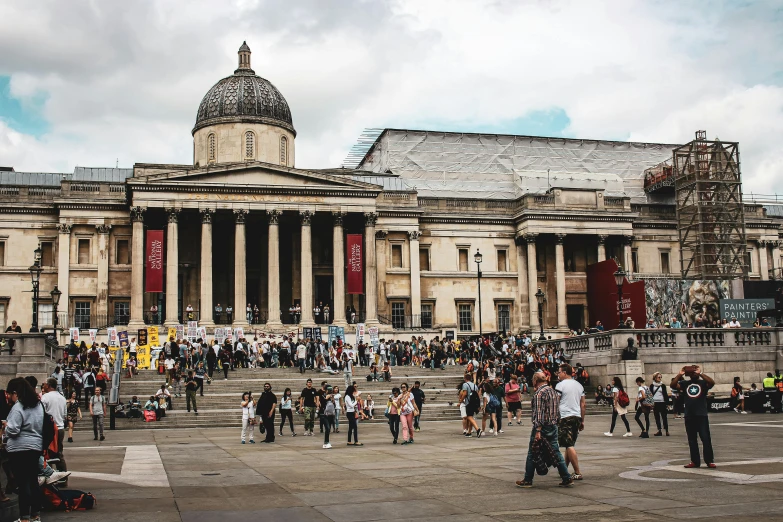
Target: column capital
x=381 y=234
x=240 y=214
x=531 y=238
x=64 y=228
x=370 y=218
x=137 y=213
x=627 y=240
x=305 y=216
x=414 y=235
x=559 y=238
x=602 y=238
x=207 y=214
x=103 y=229
x=273 y=216
x=338 y=218
x=173 y=214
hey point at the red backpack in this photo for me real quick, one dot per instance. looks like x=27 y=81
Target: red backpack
x=622 y=399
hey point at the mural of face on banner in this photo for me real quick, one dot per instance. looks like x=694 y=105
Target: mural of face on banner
x=686 y=300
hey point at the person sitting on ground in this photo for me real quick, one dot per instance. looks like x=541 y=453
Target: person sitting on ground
x=134 y=408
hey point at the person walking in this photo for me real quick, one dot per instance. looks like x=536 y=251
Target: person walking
x=347 y=369
x=98 y=412
x=329 y=417
x=572 y=415
x=418 y=398
x=24 y=432
x=248 y=416
x=620 y=402
x=74 y=413
x=266 y=410
x=286 y=412
x=738 y=396
x=514 y=400
x=55 y=405
x=407 y=409
x=301 y=356
x=697 y=424
x=337 y=399
x=489 y=403
x=351 y=406
x=190 y=391
x=660 y=404
x=308 y=403
x=643 y=405
x=469 y=399
x=393 y=414
x=545 y=406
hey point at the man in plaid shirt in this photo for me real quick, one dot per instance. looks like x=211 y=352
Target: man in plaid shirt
x=546 y=414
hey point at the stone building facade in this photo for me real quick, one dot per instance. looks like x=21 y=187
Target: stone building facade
x=244 y=225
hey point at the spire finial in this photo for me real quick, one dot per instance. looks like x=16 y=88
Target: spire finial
x=244 y=58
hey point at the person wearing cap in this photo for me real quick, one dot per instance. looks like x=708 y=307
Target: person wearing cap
x=734 y=323
x=667 y=325
x=651 y=324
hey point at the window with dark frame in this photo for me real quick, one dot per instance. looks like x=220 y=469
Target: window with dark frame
x=81 y=314
x=426 y=316
x=665 y=268
x=2 y=253
x=465 y=317
x=504 y=317
x=121 y=312
x=398 y=315
x=634 y=261
x=749 y=261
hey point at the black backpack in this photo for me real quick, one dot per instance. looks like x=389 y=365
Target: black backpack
x=48 y=430
x=474 y=401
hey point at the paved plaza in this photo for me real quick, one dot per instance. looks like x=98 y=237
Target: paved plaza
x=195 y=475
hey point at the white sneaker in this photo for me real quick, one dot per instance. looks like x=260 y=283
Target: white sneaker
x=491 y=430
x=609 y=434
x=327 y=446
x=41 y=482
x=501 y=431
x=744 y=412
x=736 y=410
x=57 y=476
x=496 y=434
x=629 y=434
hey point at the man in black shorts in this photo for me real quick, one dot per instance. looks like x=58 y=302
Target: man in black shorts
x=572 y=415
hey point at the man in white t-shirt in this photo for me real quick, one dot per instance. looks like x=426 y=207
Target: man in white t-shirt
x=572 y=415
x=301 y=356
x=734 y=323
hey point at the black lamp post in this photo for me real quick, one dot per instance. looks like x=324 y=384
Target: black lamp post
x=619 y=279
x=55 y=303
x=35 y=274
x=540 y=299
x=478 y=258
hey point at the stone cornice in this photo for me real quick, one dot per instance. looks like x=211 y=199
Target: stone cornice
x=314 y=190
x=583 y=217
x=27 y=210
x=467 y=220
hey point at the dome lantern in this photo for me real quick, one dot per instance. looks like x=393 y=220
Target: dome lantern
x=244 y=60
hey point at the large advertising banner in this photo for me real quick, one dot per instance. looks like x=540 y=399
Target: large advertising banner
x=744 y=310
x=603 y=300
x=154 y=340
x=684 y=299
x=354 y=263
x=335 y=333
x=154 y=261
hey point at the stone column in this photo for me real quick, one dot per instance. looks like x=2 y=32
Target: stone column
x=338 y=270
x=522 y=286
x=627 y=263
x=240 y=268
x=102 y=293
x=413 y=240
x=205 y=306
x=137 y=269
x=172 y=267
x=371 y=290
x=273 y=284
x=763 y=261
x=532 y=279
x=776 y=274
x=307 y=269
x=562 y=318
x=63 y=268
x=602 y=247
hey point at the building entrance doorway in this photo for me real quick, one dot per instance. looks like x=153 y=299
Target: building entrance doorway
x=576 y=316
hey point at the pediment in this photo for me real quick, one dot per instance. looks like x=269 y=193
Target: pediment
x=256 y=175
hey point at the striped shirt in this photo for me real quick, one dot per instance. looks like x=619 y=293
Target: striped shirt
x=545 y=406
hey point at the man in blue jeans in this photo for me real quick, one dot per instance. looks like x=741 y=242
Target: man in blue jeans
x=546 y=414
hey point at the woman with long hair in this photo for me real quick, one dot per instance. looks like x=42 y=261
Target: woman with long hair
x=489 y=411
x=351 y=403
x=248 y=416
x=643 y=398
x=660 y=404
x=407 y=409
x=619 y=410
x=393 y=414
x=24 y=429
x=73 y=412
x=286 y=412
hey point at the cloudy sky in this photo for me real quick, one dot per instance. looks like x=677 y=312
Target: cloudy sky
x=101 y=82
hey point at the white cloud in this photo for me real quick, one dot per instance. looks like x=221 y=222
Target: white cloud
x=124 y=80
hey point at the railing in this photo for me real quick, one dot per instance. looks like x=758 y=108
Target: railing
x=614 y=202
x=577 y=345
x=85 y=187
x=656 y=339
x=753 y=337
x=52 y=347
x=706 y=338
x=544 y=200
x=9 y=191
x=91 y=321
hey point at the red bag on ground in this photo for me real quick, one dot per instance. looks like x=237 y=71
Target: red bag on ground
x=149 y=416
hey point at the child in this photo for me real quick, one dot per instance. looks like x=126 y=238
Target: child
x=369 y=406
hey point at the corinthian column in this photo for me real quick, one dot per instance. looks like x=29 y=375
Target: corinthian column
x=137 y=268
x=371 y=290
x=338 y=269
x=522 y=285
x=602 y=247
x=413 y=240
x=532 y=278
x=240 y=268
x=172 y=267
x=273 y=283
x=102 y=295
x=205 y=307
x=562 y=318
x=307 y=269
x=64 y=267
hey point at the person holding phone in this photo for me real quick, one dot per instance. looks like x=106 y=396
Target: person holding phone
x=697 y=424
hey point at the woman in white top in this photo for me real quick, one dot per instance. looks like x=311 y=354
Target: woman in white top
x=661 y=402
x=621 y=411
x=286 y=412
x=350 y=400
x=369 y=406
x=407 y=409
x=337 y=408
x=248 y=416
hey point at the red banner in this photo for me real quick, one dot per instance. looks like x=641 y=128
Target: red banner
x=355 y=265
x=154 y=261
x=602 y=298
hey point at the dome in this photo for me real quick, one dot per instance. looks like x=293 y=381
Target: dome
x=244 y=97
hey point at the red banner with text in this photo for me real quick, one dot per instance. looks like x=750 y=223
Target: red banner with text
x=154 y=261
x=355 y=264
x=603 y=301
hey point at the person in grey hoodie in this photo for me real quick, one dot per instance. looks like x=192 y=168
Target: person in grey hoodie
x=23 y=434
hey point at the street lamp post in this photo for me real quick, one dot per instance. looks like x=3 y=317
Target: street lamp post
x=478 y=258
x=619 y=279
x=55 y=303
x=540 y=299
x=35 y=274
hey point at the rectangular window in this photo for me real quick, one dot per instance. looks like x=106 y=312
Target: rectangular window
x=424 y=259
x=463 y=259
x=396 y=256
x=47 y=254
x=121 y=312
x=426 y=316
x=45 y=314
x=465 y=317
x=123 y=253
x=81 y=315
x=634 y=261
x=502 y=260
x=84 y=252
x=749 y=261
x=2 y=255
x=504 y=317
x=665 y=269
x=398 y=315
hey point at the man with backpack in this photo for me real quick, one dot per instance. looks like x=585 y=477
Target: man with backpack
x=98 y=412
x=469 y=398
x=88 y=381
x=572 y=415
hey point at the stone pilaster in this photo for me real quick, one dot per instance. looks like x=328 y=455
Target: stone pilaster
x=102 y=290
x=562 y=318
x=532 y=278
x=338 y=270
x=523 y=304
x=307 y=269
x=413 y=240
x=64 y=266
x=763 y=261
x=371 y=284
x=273 y=284
x=627 y=256
x=205 y=306
x=776 y=273
x=172 y=267
x=137 y=268
x=602 y=247
x=240 y=268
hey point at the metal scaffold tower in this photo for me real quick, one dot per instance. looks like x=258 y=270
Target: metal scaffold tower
x=710 y=212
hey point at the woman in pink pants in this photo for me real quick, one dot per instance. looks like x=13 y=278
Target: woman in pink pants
x=407 y=409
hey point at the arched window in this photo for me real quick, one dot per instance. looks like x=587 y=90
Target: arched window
x=211 y=148
x=284 y=151
x=250 y=145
